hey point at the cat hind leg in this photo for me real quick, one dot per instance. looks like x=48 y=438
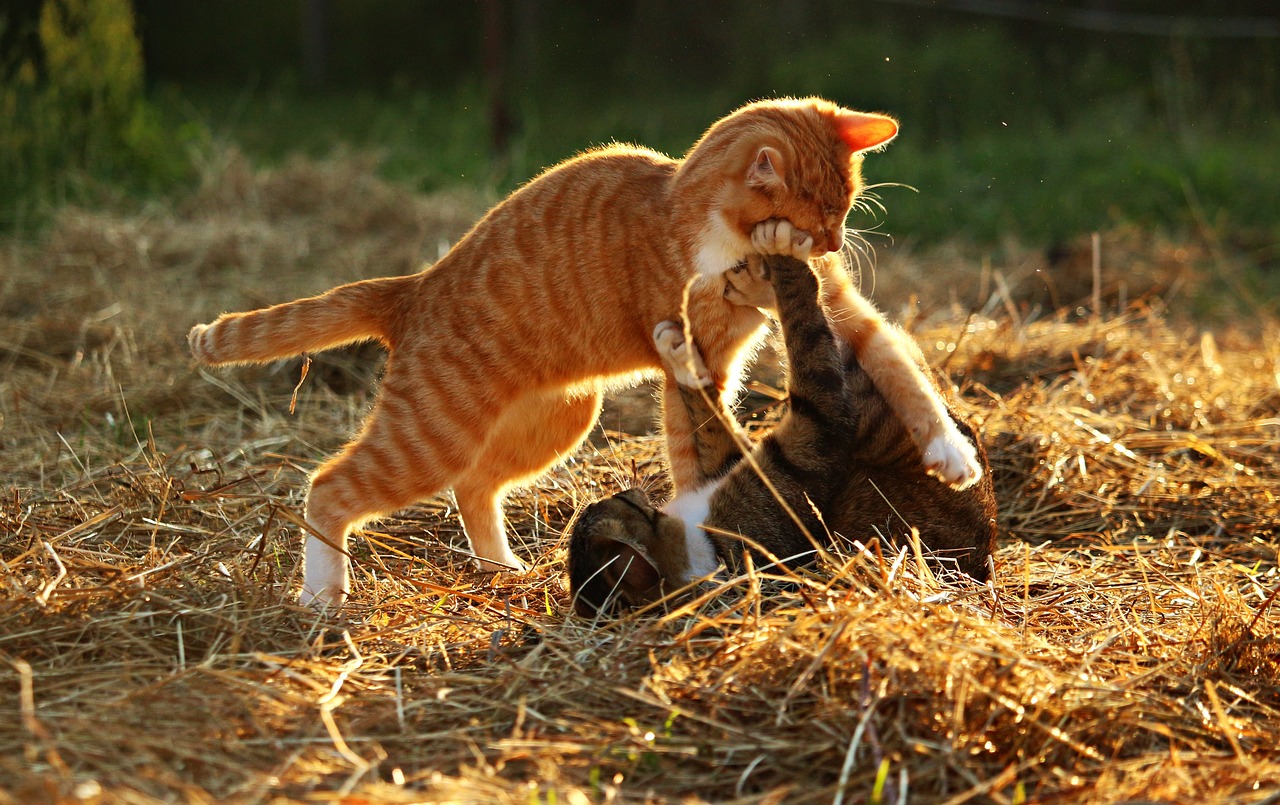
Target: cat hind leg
x=369 y=478
x=408 y=450
x=480 y=510
x=535 y=433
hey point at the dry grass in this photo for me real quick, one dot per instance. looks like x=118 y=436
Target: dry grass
x=150 y=650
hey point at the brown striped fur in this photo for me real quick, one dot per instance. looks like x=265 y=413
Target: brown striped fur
x=839 y=459
x=499 y=350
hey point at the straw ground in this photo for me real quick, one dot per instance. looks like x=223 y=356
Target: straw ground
x=150 y=649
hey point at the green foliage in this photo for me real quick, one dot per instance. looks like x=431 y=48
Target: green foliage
x=1007 y=130
x=950 y=83
x=1032 y=180
x=79 y=121
x=1040 y=182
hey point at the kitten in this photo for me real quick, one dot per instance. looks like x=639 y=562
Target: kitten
x=499 y=351
x=838 y=459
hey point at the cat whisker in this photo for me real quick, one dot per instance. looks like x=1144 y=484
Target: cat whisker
x=856 y=247
x=869 y=203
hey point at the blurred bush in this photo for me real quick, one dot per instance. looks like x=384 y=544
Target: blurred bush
x=76 y=120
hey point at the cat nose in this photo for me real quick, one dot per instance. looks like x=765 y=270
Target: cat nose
x=835 y=240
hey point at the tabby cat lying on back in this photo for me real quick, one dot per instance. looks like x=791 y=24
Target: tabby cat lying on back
x=499 y=351
x=839 y=450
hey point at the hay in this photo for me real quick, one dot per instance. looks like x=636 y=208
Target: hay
x=150 y=650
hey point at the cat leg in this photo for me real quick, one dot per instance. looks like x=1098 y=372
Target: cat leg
x=535 y=433
x=815 y=380
x=815 y=440
x=727 y=334
x=678 y=429
x=946 y=453
x=889 y=362
x=480 y=509
x=714 y=444
x=748 y=284
x=377 y=474
x=416 y=441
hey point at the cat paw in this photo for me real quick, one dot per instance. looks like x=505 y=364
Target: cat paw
x=505 y=564
x=680 y=356
x=953 y=460
x=749 y=284
x=780 y=236
x=328 y=599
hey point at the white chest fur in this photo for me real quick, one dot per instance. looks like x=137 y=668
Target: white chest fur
x=720 y=248
x=693 y=508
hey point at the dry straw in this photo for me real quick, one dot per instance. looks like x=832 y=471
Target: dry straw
x=150 y=649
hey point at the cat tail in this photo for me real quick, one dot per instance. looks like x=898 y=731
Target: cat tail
x=359 y=311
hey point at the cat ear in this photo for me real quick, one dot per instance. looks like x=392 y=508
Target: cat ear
x=862 y=131
x=632 y=575
x=766 y=168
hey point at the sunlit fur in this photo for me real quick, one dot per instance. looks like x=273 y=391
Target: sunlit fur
x=838 y=462
x=499 y=350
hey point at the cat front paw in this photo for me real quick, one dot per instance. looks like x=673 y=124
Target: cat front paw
x=953 y=460
x=780 y=236
x=680 y=356
x=749 y=284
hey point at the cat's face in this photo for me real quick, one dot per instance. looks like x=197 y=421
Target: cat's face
x=794 y=159
x=815 y=195
x=807 y=169
x=624 y=554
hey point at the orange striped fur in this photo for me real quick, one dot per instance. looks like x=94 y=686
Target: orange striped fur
x=500 y=350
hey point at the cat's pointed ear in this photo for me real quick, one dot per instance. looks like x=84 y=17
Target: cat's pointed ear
x=863 y=131
x=766 y=168
x=631 y=574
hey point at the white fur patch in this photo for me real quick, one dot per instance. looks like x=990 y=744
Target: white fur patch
x=952 y=459
x=681 y=357
x=692 y=508
x=720 y=248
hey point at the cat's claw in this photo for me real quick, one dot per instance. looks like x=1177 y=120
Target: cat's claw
x=680 y=356
x=953 y=460
x=780 y=236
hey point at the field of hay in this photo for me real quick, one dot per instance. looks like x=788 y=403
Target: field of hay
x=150 y=649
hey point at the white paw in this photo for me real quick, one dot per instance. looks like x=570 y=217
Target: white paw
x=779 y=236
x=329 y=598
x=326 y=580
x=953 y=460
x=509 y=563
x=680 y=356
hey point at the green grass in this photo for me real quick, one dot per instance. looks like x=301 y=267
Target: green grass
x=1042 y=184
x=1037 y=183
x=1005 y=134
x=1032 y=182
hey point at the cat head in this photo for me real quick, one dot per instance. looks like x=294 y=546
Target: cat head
x=624 y=554
x=798 y=159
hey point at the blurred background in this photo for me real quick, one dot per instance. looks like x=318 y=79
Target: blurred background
x=1021 y=119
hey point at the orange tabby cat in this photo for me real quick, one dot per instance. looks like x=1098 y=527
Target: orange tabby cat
x=499 y=350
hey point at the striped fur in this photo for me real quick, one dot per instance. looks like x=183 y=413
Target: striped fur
x=499 y=350
x=839 y=460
